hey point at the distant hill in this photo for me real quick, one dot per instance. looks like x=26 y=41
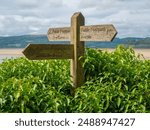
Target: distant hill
x=23 y=41
x=141 y=43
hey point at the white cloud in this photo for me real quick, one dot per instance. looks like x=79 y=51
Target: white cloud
x=17 y=17
x=131 y=23
x=19 y=25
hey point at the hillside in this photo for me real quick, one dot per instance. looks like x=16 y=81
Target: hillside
x=22 y=41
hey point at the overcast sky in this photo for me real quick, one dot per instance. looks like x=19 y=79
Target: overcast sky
x=18 y=17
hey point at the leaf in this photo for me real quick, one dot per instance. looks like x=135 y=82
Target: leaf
x=141 y=98
x=17 y=95
x=143 y=108
x=133 y=91
x=121 y=94
x=22 y=106
x=107 y=102
x=11 y=98
x=119 y=86
x=126 y=87
x=118 y=101
x=1 y=101
x=126 y=108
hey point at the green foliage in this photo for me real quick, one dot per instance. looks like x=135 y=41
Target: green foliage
x=115 y=82
x=34 y=86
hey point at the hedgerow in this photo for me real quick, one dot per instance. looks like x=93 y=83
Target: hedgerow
x=114 y=82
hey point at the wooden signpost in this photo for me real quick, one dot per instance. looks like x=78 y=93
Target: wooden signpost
x=77 y=34
x=87 y=33
x=48 y=51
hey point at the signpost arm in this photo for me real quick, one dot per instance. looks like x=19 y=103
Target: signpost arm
x=77 y=71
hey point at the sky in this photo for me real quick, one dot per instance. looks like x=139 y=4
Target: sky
x=20 y=17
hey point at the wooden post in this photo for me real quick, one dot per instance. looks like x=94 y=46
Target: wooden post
x=77 y=71
x=77 y=33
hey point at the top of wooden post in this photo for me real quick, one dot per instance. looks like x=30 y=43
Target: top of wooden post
x=77 y=20
x=78 y=15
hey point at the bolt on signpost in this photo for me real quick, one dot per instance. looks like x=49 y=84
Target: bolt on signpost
x=77 y=34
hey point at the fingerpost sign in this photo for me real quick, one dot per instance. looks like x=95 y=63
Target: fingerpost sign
x=76 y=34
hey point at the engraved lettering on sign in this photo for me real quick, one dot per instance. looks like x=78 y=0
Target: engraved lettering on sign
x=65 y=31
x=85 y=30
x=59 y=33
x=87 y=33
x=56 y=31
x=86 y=37
x=99 y=29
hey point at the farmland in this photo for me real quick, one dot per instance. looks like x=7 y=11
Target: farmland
x=114 y=82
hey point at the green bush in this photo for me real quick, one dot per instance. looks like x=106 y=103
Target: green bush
x=115 y=82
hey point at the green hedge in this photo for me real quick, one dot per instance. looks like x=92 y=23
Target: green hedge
x=115 y=82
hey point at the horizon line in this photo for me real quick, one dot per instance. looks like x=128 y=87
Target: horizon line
x=46 y=35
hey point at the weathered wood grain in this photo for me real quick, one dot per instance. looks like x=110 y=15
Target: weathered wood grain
x=48 y=51
x=59 y=34
x=87 y=33
x=98 y=33
x=77 y=71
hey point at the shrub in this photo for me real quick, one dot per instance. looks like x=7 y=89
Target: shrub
x=115 y=82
